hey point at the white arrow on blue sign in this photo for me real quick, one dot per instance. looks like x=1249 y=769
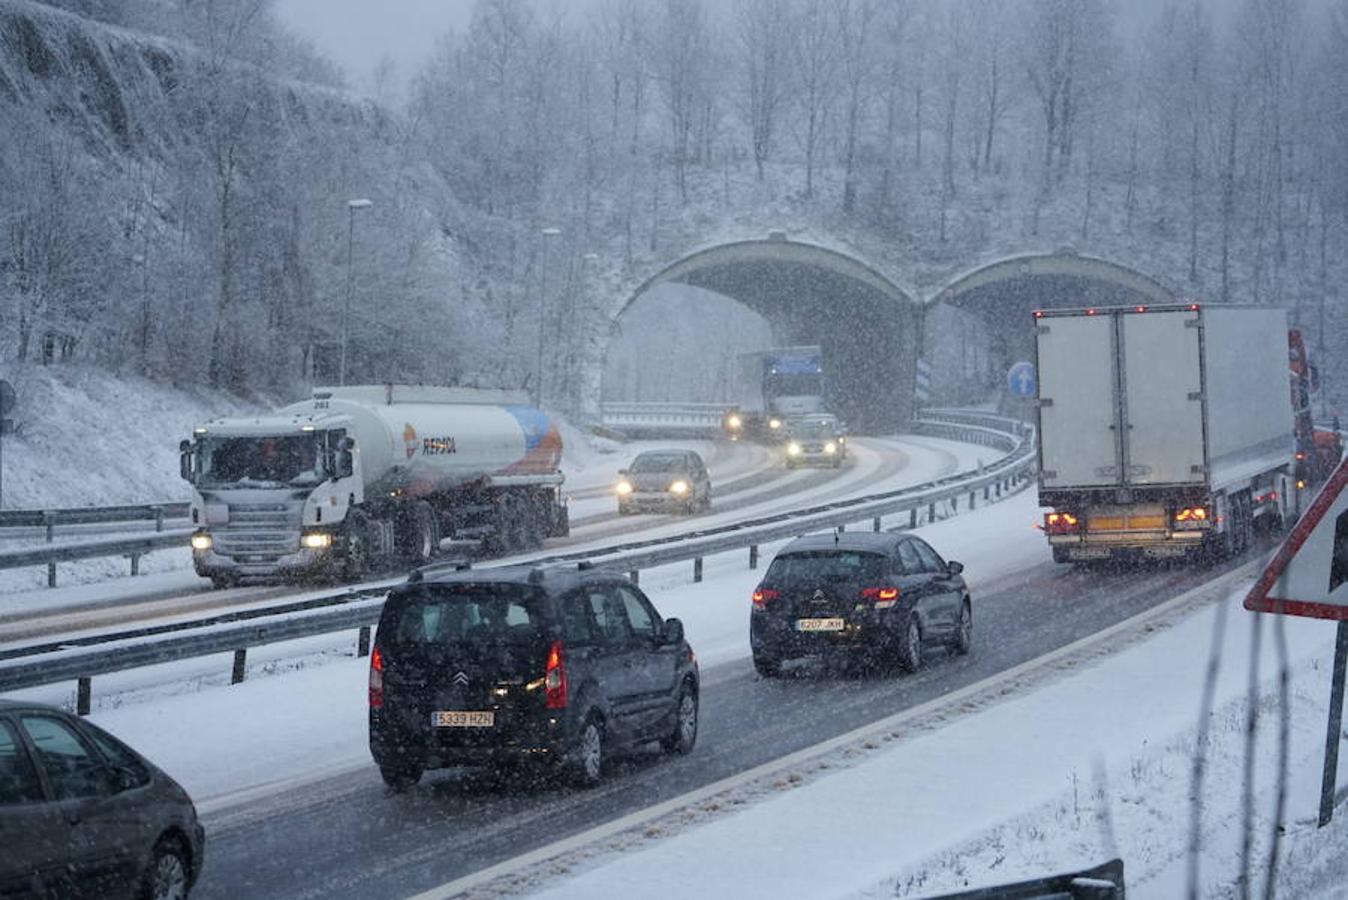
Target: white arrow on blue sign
x=1020 y=379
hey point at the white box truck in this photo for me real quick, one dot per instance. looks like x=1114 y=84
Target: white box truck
x=1162 y=429
x=357 y=478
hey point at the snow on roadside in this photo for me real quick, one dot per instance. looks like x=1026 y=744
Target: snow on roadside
x=1093 y=765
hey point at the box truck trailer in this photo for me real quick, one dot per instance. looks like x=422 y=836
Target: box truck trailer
x=357 y=478
x=1163 y=430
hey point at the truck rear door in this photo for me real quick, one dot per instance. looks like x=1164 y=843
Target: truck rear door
x=1077 y=411
x=1162 y=384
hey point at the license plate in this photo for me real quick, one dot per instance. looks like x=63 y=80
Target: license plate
x=457 y=718
x=820 y=624
x=1089 y=553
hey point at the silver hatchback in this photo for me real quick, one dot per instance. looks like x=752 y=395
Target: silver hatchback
x=664 y=481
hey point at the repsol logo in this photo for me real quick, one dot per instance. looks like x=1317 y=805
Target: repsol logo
x=435 y=446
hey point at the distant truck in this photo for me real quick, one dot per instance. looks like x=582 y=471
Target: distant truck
x=1318 y=450
x=1163 y=430
x=772 y=386
x=358 y=478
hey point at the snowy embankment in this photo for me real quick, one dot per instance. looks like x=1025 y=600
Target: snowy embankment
x=1088 y=760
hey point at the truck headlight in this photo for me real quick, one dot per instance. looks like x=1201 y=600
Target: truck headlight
x=679 y=487
x=201 y=541
x=623 y=488
x=830 y=448
x=734 y=423
x=793 y=449
x=774 y=424
x=316 y=540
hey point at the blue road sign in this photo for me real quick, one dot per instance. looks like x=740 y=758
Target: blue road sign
x=1020 y=379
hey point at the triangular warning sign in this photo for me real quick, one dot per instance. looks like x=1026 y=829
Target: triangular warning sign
x=1309 y=574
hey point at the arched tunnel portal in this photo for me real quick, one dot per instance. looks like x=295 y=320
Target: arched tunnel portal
x=1005 y=294
x=868 y=327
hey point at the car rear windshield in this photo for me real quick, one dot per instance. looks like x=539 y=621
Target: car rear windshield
x=456 y=614
x=664 y=462
x=826 y=565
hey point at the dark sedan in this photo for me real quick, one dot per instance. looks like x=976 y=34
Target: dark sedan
x=84 y=815
x=876 y=598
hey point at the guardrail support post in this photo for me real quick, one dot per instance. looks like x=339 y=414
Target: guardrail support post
x=912 y=517
x=753 y=556
x=875 y=526
x=363 y=641
x=159 y=518
x=986 y=488
x=240 y=665
x=634 y=576
x=931 y=511
x=697 y=569
x=973 y=495
x=50 y=522
x=135 y=563
x=84 y=689
x=51 y=575
x=841 y=529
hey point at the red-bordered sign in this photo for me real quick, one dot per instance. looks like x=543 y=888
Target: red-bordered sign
x=1309 y=574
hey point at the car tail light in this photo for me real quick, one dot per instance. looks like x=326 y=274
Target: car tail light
x=883 y=597
x=762 y=596
x=554 y=678
x=376 y=679
x=1061 y=523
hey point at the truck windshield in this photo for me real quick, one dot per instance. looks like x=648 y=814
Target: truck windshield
x=289 y=459
x=793 y=385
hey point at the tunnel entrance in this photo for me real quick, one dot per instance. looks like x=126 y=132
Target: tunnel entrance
x=1002 y=297
x=867 y=327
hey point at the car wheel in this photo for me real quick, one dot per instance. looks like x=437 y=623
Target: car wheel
x=424 y=534
x=910 y=647
x=964 y=633
x=166 y=878
x=399 y=778
x=587 y=768
x=766 y=666
x=683 y=738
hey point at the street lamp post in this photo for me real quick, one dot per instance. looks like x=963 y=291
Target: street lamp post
x=351 y=206
x=542 y=315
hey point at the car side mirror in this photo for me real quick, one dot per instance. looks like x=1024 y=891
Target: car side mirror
x=673 y=631
x=954 y=568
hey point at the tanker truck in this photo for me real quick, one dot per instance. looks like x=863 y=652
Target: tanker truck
x=359 y=478
x=1164 y=431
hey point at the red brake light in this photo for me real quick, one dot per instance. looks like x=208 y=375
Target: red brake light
x=880 y=593
x=554 y=678
x=1193 y=307
x=376 y=679
x=762 y=596
x=1039 y=314
x=1090 y=312
x=1139 y=309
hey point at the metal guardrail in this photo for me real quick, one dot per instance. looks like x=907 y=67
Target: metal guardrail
x=663 y=417
x=131 y=548
x=361 y=608
x=49 y=518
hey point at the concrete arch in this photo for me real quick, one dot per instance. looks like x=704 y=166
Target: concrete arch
x=1003 y=294
x=868 y=326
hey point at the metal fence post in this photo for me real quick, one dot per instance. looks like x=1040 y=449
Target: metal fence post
x=50 y=522
x=363 y=641
x=912 y=517
x=135 y=563
x=931 y=511
x=240 y=665
x=753 y=556
x=697 y=569
x=875 y=526
x=84 y=689
x=159 y=518
x=51 y=575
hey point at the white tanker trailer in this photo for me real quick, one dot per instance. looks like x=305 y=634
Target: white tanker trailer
x=360 y=477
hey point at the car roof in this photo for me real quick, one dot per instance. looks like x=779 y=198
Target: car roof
x=552 y=578
x=866 y=541
x=669 y=451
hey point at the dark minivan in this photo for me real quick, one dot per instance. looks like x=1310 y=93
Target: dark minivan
x=515 y=665
x=880 y=597
x=84 y=815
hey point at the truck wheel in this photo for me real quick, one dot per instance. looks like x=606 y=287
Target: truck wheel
x=423 y=534
x=356 y=550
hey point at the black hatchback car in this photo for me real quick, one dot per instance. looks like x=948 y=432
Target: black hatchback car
x=881 y=597
x=84 y=815
x=516 y=665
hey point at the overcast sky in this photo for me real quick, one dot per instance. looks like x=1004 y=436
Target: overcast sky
x=356 y=34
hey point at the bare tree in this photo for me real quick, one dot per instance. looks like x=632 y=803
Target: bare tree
x=763 y=38
x=814 y=53
x=856 y=48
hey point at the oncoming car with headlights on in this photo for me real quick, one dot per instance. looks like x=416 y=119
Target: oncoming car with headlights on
x=814 y=440
x=664 y=480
